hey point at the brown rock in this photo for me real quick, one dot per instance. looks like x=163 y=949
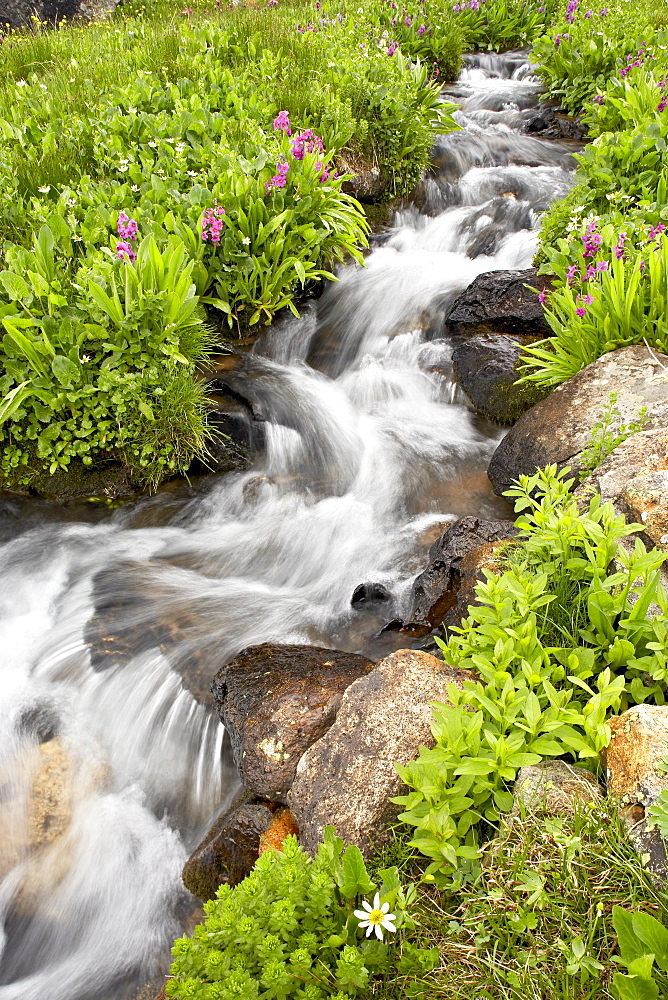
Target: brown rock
x=553 y=787
x=646 y=451
x=348 y=777
x=436 y=589
x=638 y=744
x=281 y=826
x=229 y=850
x=557 y=429
x=275 y=701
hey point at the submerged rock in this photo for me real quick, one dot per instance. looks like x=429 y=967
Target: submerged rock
x=275 y=701
x=638 y=745
x=348 y=777
x=557 y=429
x=370 y=593
x=435 y=590
x=229 y=850
x=499 y=302
x=486 y=368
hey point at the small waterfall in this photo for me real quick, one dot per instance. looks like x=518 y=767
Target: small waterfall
x=112 y=763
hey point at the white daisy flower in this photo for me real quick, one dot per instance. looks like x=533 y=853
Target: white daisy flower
x=375 y=918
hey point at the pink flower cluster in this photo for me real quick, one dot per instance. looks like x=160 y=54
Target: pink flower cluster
x=306 y=142
x=592 y=241
x=125 y=251
x=282 y=123
x=633 y=61
x=279 y=178
x=663 y=103
x=212 y=224
x=127 y=230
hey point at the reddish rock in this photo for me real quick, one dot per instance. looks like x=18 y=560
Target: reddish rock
x=275 y=701
x=281 y=826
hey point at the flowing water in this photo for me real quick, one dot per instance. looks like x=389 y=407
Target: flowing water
x=109 y=769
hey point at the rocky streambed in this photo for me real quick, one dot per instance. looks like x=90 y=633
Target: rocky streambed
x=303 y=582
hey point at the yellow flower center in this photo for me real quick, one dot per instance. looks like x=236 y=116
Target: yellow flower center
x=376 y=917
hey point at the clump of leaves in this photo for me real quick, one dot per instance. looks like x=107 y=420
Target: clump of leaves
x=289 y=931
x=608 y=432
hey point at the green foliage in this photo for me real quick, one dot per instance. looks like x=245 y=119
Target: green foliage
x=607 y=433
x=503 y=24
x=643 y=940
x=165 y=118
x=545 y=686
x=592 y=314
x=100 y=362
x=288 y=930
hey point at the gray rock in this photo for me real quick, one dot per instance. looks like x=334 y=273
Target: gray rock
x=499 y=302
x=486 y=368
x=17 y=13
x=557 y=429
x=348 y=777
x=275 y=701
x=229 y=850
x=553 y=787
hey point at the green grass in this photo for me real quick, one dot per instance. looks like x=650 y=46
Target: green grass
x=548 y=883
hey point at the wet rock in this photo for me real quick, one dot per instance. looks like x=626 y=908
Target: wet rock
x=365 y=185
x=282 y=825
x=553 y=787
x=125 y=624
x=348 y=777
x=638 y=744
x=471 y=572
x=486 y=368
x=545 y=122
x=111 y=481
x=499 y=302
x=235 y=438
x=370 y=593
x=435 y=590
x=229 y=850
x=557 y=429
x=275 y=701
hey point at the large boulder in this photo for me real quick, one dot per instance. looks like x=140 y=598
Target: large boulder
x=436 y=589
x=557 y=429
x=637 y=748
x=348 y=777
x=229 y=850
x=500 y=302
x=486 y=368
x=275 y=701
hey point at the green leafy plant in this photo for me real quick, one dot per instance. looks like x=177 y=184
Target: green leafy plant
x=607 y=433
x=643 y=940
x=544 y=686
x=289 y=930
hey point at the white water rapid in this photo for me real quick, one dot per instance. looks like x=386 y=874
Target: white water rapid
x=110 y=771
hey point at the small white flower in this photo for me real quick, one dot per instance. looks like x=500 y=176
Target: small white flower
x=179 y=148
x=45 y=189
x=77 y=239
x=375 y=918
x=21 y=83
x=152 y=144
x=246 y=240
x=134 y=187
x=191 y=173
x=85 y=358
